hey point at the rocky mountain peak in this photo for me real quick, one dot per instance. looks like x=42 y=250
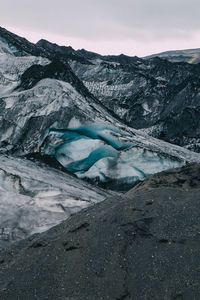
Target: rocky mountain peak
x=54 y=48
x=21 y=46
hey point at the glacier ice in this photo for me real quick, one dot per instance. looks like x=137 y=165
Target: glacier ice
x=34 y=197
x=104 y=154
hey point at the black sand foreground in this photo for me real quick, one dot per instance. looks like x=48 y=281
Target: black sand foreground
x=142 y=245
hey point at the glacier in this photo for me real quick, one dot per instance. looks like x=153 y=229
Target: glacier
x=53 y=113
x=26 y=115
x=34 y=197
x=104 y=154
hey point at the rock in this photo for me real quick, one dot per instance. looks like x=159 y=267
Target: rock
x=142 y=245
x=155 y=95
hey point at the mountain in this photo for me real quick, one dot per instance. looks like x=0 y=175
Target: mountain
x=43 y=103
x=19 y=46
x=191 y=56
x=155 y=95
x=74 y=134
x=49 y=114
x=35 y=93
x=151 y=94
x=142 y=245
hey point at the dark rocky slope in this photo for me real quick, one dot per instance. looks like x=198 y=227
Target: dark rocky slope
x=20 y=46
x=154 y=94
x=55 y=70
x=151 y=94
x=64 y=53
x=143 y=245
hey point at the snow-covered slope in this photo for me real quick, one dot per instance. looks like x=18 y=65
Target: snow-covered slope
x=31 y=105
x=12 y=68
x=36 y=94
x=35 y=197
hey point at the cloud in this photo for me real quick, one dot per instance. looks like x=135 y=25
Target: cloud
x=106 y=21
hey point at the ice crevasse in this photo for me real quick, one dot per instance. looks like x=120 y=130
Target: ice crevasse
x=104 y=154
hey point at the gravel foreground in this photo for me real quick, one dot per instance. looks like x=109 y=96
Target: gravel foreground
x=142 y=245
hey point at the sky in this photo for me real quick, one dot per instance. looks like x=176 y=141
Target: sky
x=131 y=27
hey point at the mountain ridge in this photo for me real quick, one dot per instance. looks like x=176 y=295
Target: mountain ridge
x=187 y=55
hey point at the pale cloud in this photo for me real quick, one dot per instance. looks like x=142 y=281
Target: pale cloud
x=108 y=26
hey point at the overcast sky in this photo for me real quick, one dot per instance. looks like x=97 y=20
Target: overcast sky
x=132 y=27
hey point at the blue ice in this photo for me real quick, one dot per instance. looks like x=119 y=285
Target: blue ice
x=104 y=152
